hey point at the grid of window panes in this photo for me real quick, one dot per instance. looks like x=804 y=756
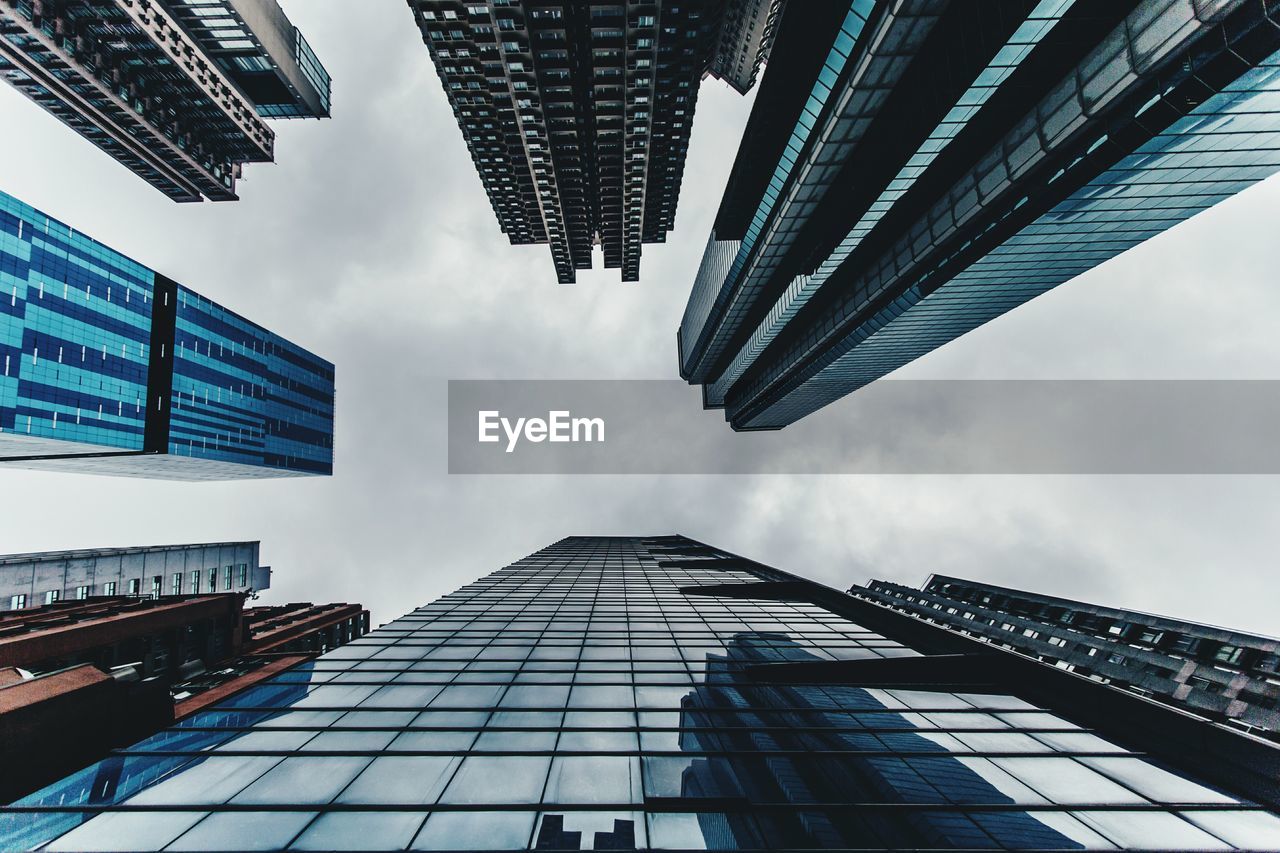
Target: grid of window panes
x=578 y=699
x=242 y=394
x=75 y=321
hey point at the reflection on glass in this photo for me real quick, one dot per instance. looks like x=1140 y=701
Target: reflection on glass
x=460 y=831
x=360 y=831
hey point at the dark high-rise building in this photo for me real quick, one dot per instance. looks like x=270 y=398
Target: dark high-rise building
x=107 y=367
x=913 y=170
x=577 y=115
x=80 y=677
x=658 y=693
x=175 y=90
x=743 y=38
x=1224 y=675
x=46 y=577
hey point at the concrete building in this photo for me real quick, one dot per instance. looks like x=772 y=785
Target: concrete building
x=174 y=90
x=1223 y=675
x=108 y=367
x=743 y=40
x=81 y=677
x=653 y=692
x=577 y=115
x=33 y=580
x=911 y=171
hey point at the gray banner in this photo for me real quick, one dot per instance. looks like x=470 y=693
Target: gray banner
x=889 y=427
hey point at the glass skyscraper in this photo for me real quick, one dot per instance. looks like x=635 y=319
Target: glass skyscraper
x=658 y=693
x=109 y=367
x=912 y=171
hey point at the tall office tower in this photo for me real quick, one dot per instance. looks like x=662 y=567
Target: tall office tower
x=175 y=90
x=917 y=170
x=29 y=580
x=107 y=367
x=1227 y=676
x=743 y=40
x=78 y=678
x=577 y=115
x=657 y=693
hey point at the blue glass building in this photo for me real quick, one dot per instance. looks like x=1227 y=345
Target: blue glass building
x=931 y=168
x=624 y=693
x=109 y=367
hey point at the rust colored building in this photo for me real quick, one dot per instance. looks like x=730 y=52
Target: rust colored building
x=79 y=678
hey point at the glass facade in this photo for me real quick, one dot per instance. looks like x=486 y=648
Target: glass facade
x=586 y=697
x=939 y=189
x=75 y=327
x=108 y=366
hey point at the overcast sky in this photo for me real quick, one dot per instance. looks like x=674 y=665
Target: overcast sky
x=371 y=242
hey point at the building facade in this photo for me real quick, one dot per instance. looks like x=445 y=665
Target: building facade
x=174 y=90
x=264 y=54
x=743 y=39
x=577 y=115
x=930 y=169
x=32 y=580
x=1225 y=675
x=658 y=693
x=108 y=367
x=80 y=677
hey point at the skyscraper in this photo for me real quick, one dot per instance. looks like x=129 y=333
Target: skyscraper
x=577 y=115
x=658 y=693
x=174 y=90
x=918 y=169
x=108 y=367
x=744 y=35
x=1225 y=675
x=30 y=580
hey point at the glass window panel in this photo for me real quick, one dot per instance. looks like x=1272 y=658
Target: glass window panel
x=601 y=740
x=594 y=779
x=128 y=831
x=1000 y=742
x=211 y=780
x=1077 y=742
x=589 y=830
x=600 y=696
x=402 y=779
x=468 y=696
x=498 y=779
x=1256 y=830
x=243 y=831
x=430 y=741
x=536 y=696
x=451 y=719
x=689 y=776
x=313 y=779
x=1150 y=830
x=516 y=741
x=337 y=741
x=1065 y=780
x=360 y=831
x=1156 y=783
x=268 y=741
x=402 y=696
x=700 y=831
x=459 y=831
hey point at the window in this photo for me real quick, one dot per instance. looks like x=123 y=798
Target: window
x=195 y=581
x=244 y=574
x=157 y=583
x=135 y=586
x=1228 y=653
x=52 y=595
x=17 y=602
x=176 y=586
x=82 y=592
x=109 y=588
x=213 y=579
x=226 y=577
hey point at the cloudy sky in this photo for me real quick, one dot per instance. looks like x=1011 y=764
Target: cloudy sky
x=371 y=243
